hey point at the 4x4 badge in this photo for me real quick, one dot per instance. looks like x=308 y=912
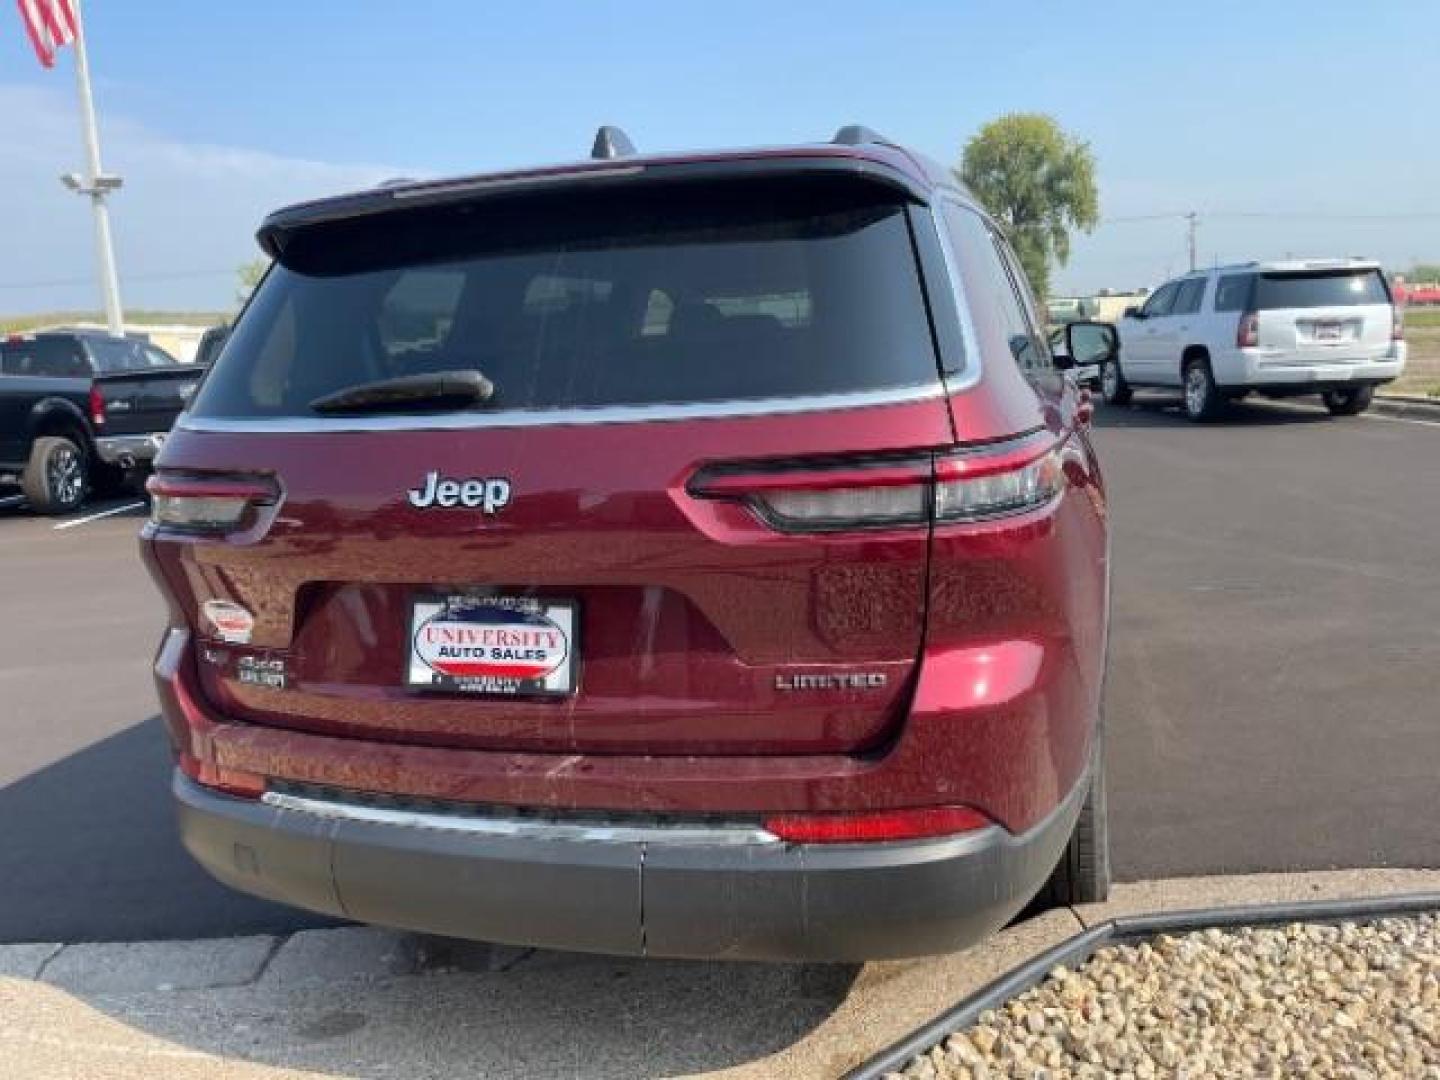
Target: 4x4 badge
x=489 y=494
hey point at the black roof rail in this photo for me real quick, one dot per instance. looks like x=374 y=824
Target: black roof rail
x=396 y=181
x=855 y=134
x=611 y=142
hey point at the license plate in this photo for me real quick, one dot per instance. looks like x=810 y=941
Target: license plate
x=1327 y=331
x=504 y=645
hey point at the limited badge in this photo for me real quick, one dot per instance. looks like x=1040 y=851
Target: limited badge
x=230 y=622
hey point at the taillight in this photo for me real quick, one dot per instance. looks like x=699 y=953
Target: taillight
x=891 y=492
x=973 y=487
x=877 y=825
x=825 y=496
x=97 y=406
x=206 y=505
x=1248 y=334
x=1397 y=323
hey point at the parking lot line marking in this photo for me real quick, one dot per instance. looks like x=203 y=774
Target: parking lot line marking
x=97 y=517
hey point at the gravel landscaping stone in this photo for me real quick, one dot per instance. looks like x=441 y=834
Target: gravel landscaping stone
x=1349 y=1000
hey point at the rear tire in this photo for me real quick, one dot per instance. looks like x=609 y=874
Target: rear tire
x=54 y=480
x=1114 y=390
x=1351 y=402
x=1203 y=401
x=1083 y=874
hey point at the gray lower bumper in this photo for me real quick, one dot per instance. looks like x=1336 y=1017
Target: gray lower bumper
x=128 y=449
x=675 y=899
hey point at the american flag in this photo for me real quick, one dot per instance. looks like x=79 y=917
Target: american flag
x=50 y=24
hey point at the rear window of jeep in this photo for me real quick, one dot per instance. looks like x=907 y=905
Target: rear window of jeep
x=653 y=295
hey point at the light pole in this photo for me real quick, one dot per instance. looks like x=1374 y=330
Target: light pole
x=97 y=184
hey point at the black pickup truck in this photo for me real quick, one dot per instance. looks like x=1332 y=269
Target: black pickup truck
x=82 y=411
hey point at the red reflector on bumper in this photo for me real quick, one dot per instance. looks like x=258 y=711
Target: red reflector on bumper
x=242 y=785
x=879 y=825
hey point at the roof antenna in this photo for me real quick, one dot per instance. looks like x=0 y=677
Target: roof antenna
x=855 y=134
x=611 y=142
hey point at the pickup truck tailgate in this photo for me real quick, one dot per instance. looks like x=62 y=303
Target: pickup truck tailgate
x=145 y=402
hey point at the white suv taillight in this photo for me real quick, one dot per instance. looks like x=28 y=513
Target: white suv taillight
x=1248 y=334
x=950 y=487
x=1397 y=323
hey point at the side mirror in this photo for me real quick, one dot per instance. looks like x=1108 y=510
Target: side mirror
x=1089 y=343
x=1134 y=312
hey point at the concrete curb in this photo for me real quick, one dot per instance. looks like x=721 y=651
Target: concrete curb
x=367 y=952
x=301 y=959
x=361 y=1000
x=1407 y=407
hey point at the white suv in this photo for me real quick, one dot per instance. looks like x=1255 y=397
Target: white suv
x=1325 y=327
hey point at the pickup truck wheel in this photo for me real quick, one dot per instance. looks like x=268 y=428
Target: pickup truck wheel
x=1202 y=397
x=1083 y=874
x=1351 y=402
x=54 y=478
x=1113 y=387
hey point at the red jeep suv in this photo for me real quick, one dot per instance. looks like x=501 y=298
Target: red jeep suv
x=694 y=556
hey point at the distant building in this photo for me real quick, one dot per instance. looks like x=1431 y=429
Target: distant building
x=1105 y=306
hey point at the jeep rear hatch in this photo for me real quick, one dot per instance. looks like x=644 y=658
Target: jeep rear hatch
x=539 y=568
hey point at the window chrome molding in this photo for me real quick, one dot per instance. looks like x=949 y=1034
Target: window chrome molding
x=613 y=414
x=969 y=376
x=518 y=828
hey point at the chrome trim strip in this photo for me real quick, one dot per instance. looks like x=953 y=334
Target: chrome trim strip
x=969 y=375
x=517 y=828
x=617 y=414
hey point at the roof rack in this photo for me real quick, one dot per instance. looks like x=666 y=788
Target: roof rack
x=855 y=134
x=611 y=142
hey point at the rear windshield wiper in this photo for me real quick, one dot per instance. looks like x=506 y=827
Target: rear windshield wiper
x=434 y=390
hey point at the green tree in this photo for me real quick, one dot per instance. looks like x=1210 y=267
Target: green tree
x=249 y=275
x=1038 y=182
x=1424 y=272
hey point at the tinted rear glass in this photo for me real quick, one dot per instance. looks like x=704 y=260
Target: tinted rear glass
x=1233 y=292
x=650 y=295
x=1310 y=289
x=50 y=357
x=115 y=355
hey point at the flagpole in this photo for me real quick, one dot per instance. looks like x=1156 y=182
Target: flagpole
x=96 y=183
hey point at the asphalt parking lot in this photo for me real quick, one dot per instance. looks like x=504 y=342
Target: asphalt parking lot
x=1272 y=697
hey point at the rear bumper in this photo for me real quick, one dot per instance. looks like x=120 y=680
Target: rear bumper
x=671 y=897
x=129 y=449
x=1257 y=368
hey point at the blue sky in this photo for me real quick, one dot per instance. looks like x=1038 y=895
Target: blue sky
x=1321 y=116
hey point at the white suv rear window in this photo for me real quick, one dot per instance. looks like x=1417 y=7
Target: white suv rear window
x=1312 y=289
